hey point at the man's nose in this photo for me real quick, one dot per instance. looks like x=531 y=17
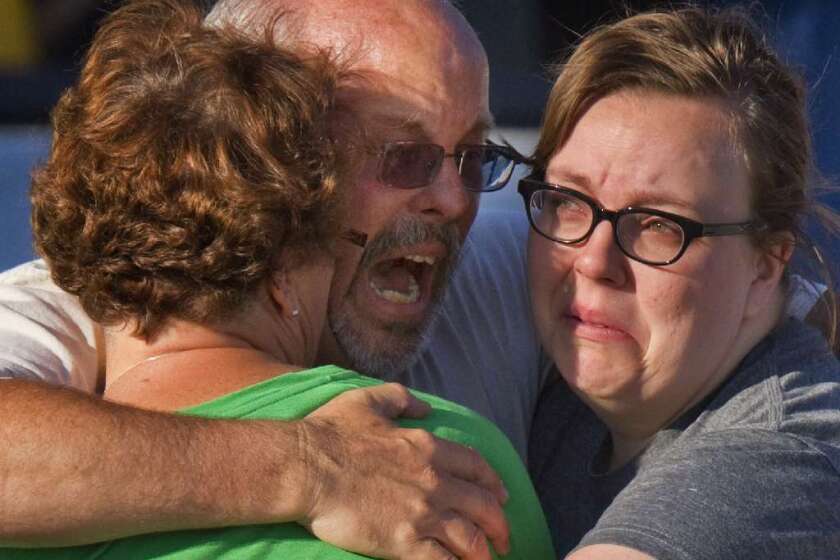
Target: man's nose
x=445 y=199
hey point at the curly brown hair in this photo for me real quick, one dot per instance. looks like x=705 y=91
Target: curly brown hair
x=184 y=163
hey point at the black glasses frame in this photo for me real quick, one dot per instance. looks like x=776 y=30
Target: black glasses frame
x=505 y=151
x=692 y=229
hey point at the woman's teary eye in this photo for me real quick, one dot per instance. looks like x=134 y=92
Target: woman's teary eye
x=658 y=225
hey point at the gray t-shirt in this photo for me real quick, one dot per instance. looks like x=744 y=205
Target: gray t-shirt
x=483 y=351
x=751 y=472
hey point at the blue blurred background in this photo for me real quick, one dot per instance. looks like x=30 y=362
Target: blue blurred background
x=41 y=43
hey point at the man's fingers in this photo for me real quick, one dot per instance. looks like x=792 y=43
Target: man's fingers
x=483 y=510
x=428 y=550
x=393 y=400
x=461 y=537
x=468 y=464
x=373 y=406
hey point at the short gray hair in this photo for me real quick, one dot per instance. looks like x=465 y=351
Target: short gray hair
x=252 y=17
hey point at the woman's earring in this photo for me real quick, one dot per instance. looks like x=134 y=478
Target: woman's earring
x=282 y=295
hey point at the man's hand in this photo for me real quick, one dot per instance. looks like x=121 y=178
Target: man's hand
x=392 y=492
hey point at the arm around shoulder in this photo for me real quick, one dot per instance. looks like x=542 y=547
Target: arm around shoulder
x=345 y=472
x=76 y=469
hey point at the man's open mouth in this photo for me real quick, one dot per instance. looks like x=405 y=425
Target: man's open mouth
x=403 y=280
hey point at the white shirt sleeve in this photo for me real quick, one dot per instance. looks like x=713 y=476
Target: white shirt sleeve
x=44 y=332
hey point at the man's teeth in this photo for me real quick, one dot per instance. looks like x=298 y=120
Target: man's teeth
x=412 y=293
x=394 y=296
x=421 y=259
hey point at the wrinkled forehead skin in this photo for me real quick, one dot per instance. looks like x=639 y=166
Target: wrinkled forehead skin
x=421 y=52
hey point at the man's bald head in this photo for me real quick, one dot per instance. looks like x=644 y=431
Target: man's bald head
x=360 y=26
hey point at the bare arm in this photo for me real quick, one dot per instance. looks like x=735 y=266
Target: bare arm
x=76 y=469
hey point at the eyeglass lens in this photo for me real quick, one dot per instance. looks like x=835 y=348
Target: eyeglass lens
x=568 y=219
x=409 y=165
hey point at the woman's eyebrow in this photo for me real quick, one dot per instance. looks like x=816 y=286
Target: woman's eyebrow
x=562 y=176
x=639 y=196
x=646 y=197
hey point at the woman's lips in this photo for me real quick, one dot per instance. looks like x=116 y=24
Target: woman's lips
x=595 y=326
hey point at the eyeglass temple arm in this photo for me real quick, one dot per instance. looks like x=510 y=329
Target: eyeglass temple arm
x=514 y=154
x=732 y=229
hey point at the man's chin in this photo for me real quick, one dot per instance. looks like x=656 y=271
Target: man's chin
x=378 y=350
x=381 y=321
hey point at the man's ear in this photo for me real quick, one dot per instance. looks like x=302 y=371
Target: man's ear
x=282 y=295
x=770 y=265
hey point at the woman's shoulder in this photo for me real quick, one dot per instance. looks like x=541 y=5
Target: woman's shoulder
x=778 y=416
x=755 y=469
x=789 y=383
x=746 y=490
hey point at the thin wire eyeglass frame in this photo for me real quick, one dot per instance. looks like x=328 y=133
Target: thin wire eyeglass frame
x=502 y=151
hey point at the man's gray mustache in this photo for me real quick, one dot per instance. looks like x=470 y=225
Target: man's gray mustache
x=408 y=232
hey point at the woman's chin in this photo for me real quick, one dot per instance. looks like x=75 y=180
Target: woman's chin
x=598 y=373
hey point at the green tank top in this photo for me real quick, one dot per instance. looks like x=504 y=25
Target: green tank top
x=292 y=396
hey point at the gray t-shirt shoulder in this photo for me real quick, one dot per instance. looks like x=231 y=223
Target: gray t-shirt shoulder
x=482 y=350
x=751 y=472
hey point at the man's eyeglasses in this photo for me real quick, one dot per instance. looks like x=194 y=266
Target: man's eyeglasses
x=411 y=165
x=644 y=234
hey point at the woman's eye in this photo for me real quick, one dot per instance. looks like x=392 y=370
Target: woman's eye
x=659 y=226
x=566 y=205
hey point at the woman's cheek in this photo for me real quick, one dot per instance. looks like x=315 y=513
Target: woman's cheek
x=548 y=277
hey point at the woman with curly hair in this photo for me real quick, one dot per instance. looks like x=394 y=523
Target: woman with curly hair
x=190 y=203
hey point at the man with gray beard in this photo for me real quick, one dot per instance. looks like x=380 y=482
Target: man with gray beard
x=420 y=90
x=356 y=343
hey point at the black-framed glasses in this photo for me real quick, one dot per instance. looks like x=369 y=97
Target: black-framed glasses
x=646 y=235
x=483 y=167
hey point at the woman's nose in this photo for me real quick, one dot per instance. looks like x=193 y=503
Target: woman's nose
x=599 y=257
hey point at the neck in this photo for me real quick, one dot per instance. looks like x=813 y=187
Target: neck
x=188 y=363
x=182 y=378
x=126 y=351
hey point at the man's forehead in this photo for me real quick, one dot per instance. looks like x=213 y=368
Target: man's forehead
x=416 y=126
x=381 y=113
x=417 y=63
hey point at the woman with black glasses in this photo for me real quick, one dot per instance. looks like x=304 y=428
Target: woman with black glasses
x=693 y=419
